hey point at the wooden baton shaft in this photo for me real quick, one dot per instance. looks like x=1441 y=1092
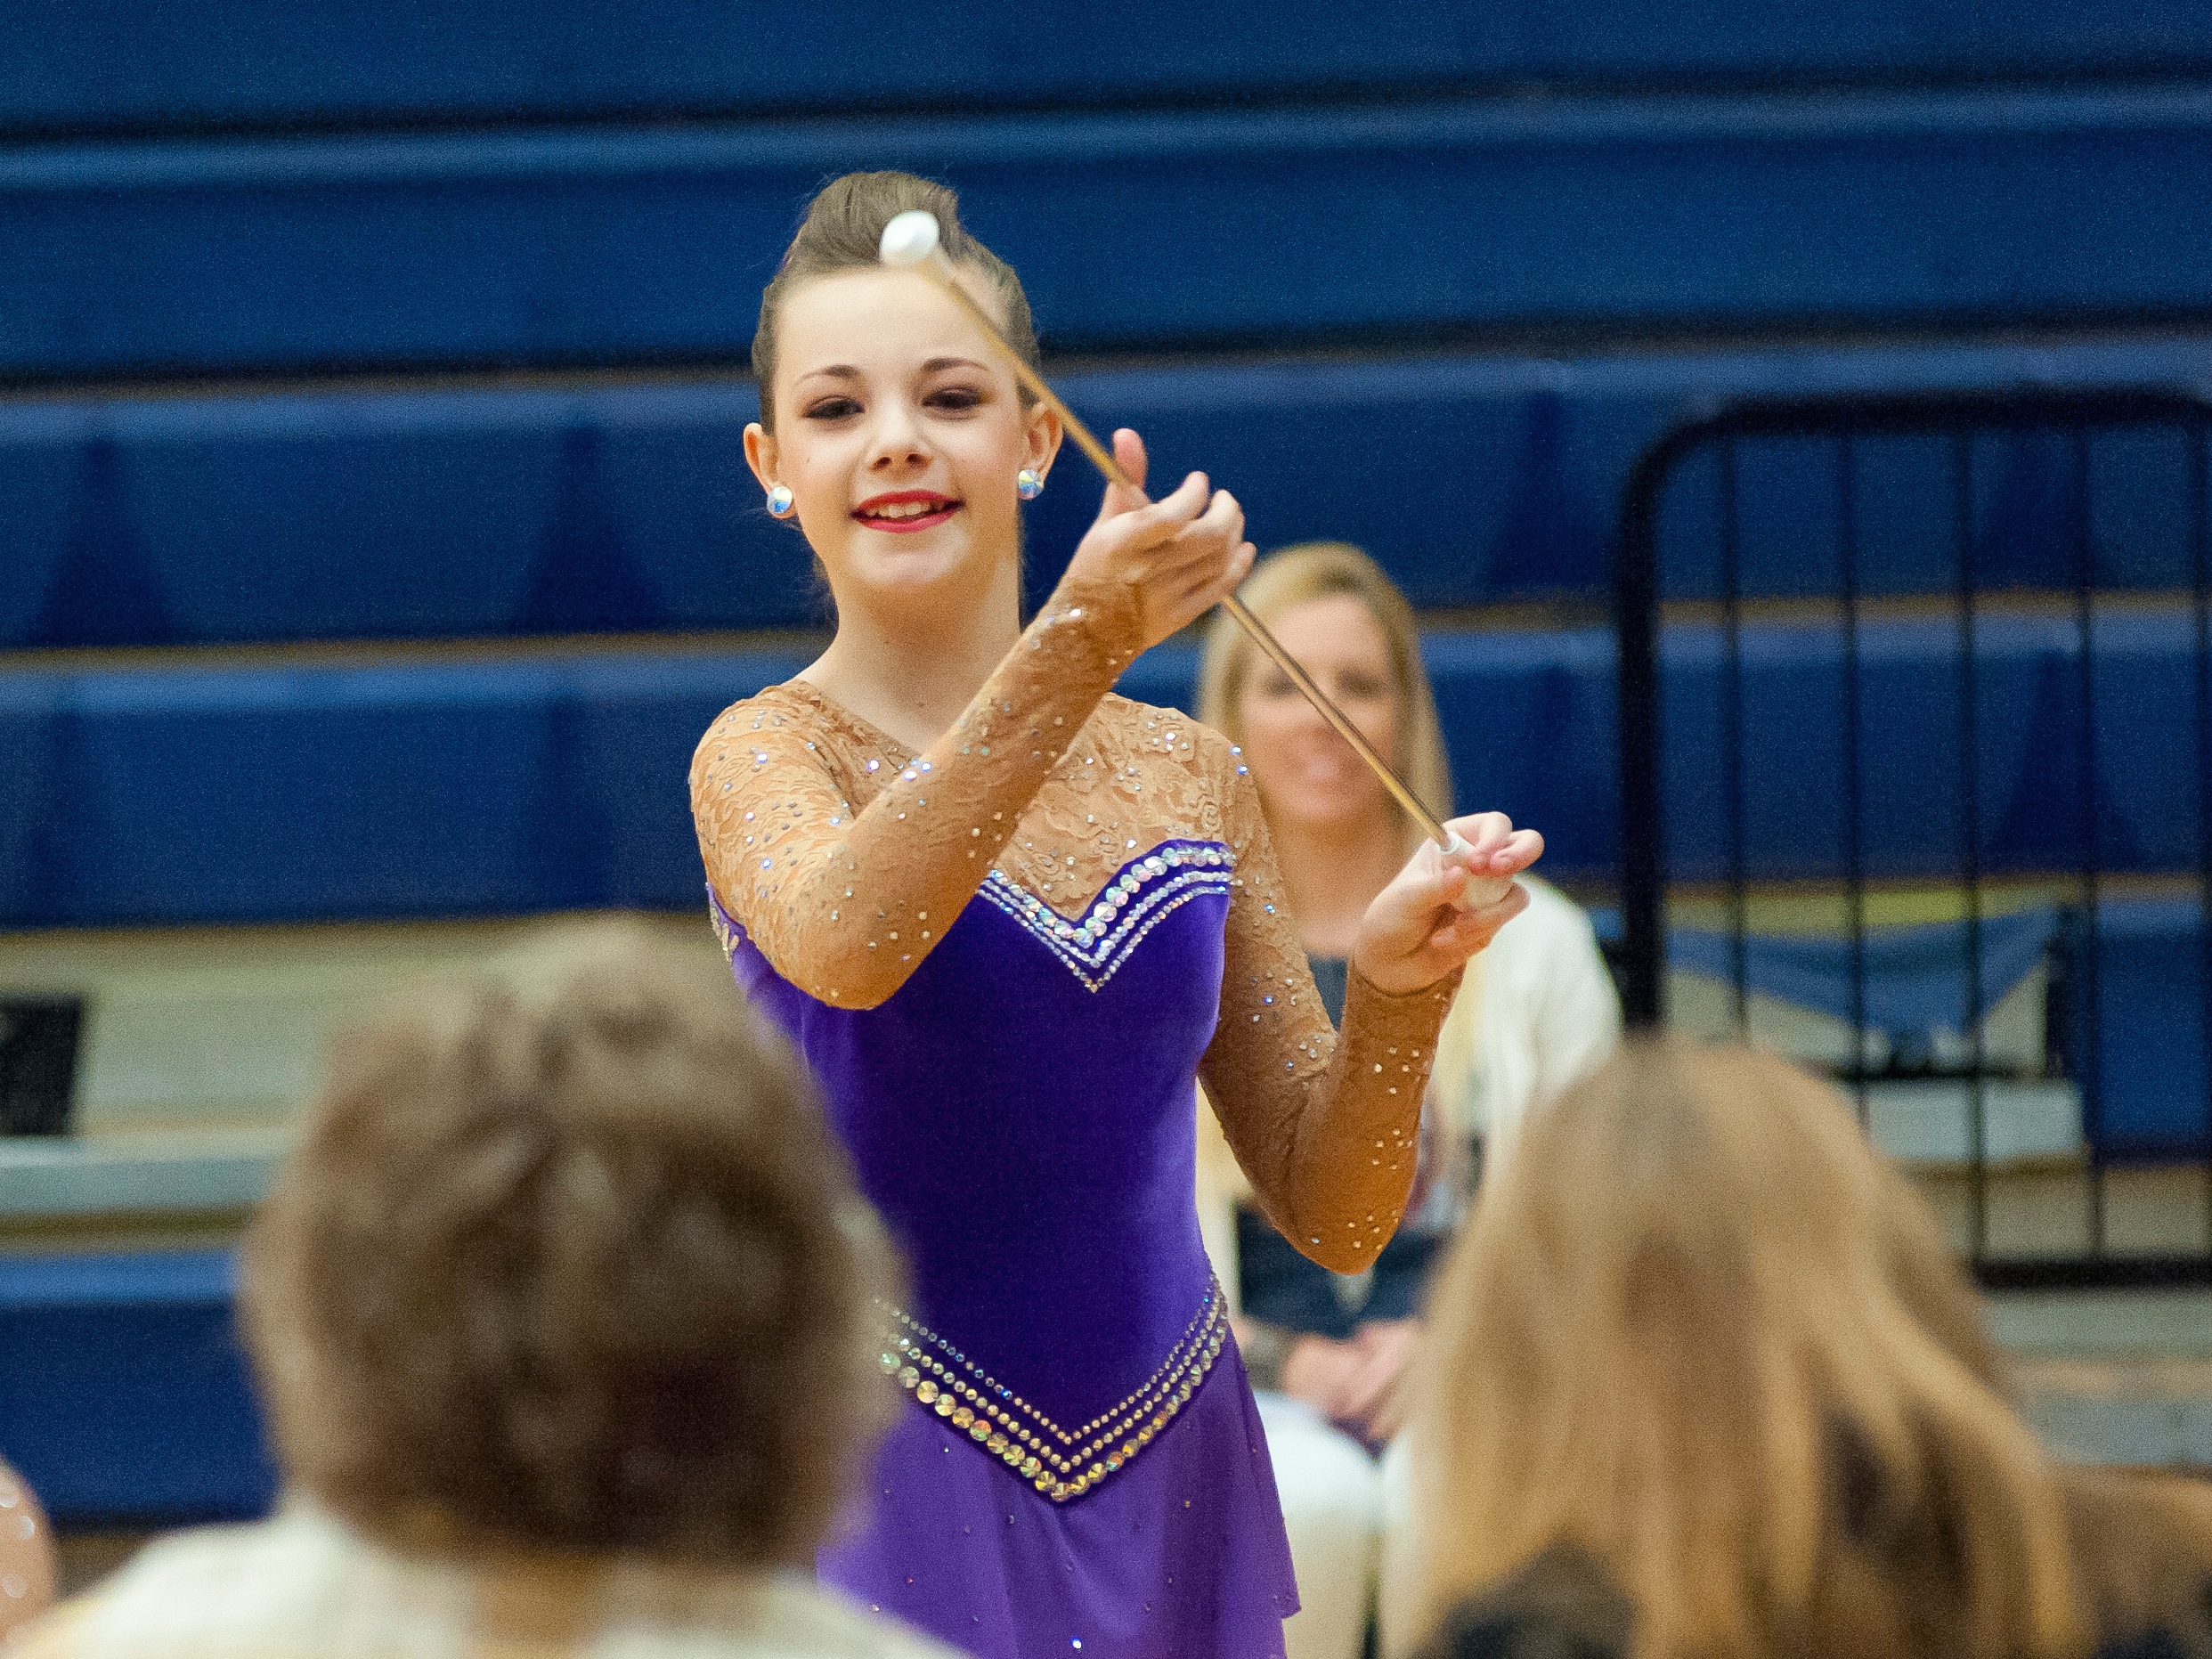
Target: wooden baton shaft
x=941 y=269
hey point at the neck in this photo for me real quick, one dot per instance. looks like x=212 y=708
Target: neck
x=909 y=663
x=1332 y=873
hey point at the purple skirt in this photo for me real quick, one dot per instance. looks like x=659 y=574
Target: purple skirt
x=1163 y=1561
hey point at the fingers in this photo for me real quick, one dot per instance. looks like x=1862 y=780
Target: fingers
x=1154 y=524
x=1191 y=545
x=1522 y=848
x=1479 y=877
x=1316 y=1371
x=1430 y=879
x=1185 y=552
x=1207 y=592
x=1206 y=541
x=1494 y=847
x=1129 y=453
x=1463 y=932
x=1439 y=939
x=1484 y=833
x=1372 y=1400
x=1415 y=933
x=1365 y=1389
x=1388 y=1417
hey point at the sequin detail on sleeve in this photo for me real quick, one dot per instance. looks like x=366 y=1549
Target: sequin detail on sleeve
x=1325 y=1124
x=846 y=900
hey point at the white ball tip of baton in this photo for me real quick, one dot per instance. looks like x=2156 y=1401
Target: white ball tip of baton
x=909 y=238
x=1480 y=891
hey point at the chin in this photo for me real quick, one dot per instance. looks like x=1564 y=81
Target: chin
x=1327 y=812
x=942 y=551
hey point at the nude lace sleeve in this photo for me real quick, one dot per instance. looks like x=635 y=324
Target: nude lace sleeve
x=846 y=905
x=1324 y=1123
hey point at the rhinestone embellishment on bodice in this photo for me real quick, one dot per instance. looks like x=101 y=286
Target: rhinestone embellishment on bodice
x=1141 y=895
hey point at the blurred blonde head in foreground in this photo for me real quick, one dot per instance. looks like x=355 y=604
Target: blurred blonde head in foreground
x=1700 y=1331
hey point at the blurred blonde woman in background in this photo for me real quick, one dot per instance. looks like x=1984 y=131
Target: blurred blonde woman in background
x=1703 y=1379
x=1535 y=1010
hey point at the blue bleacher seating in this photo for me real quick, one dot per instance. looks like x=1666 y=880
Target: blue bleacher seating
x=124 y=1401
x=436 y=513
x=290 y=793
x=496 y=785
x=1941 y=207
x=90 y=66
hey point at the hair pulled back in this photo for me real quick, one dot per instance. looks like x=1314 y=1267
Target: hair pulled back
x=843 y=230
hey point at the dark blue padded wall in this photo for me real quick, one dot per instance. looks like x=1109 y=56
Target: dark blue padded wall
x=2149 y=1039
x=2041 y=514
x=429 y=513
x=132 y=65
x=647 y=246
x=125 y=1400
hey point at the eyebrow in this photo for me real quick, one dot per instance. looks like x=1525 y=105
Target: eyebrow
x=847 y=371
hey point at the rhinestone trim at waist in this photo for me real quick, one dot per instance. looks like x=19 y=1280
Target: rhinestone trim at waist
x=1060 y=1463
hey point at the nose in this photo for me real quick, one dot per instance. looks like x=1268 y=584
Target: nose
x=1311 y=720
x=896 y=443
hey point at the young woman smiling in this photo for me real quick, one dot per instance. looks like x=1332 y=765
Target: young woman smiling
x=1009 y=918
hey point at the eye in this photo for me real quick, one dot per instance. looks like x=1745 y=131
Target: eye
x=837 y=408
x=956 y=398
x=1361 y=684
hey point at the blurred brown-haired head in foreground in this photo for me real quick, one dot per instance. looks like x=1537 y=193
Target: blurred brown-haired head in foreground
x=1700 y=1331
x=567 y=1260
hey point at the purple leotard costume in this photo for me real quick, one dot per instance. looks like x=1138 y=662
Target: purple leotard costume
x=1077 y=1468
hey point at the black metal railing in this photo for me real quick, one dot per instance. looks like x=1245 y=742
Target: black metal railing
x=1910 y=545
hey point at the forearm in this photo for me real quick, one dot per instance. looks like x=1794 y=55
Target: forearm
x=845 y=906
x=1348 y=1166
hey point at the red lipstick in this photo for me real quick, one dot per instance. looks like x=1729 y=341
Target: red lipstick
x=902 y=512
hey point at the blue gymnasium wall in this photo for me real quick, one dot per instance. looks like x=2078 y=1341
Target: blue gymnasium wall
x=252 y=793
